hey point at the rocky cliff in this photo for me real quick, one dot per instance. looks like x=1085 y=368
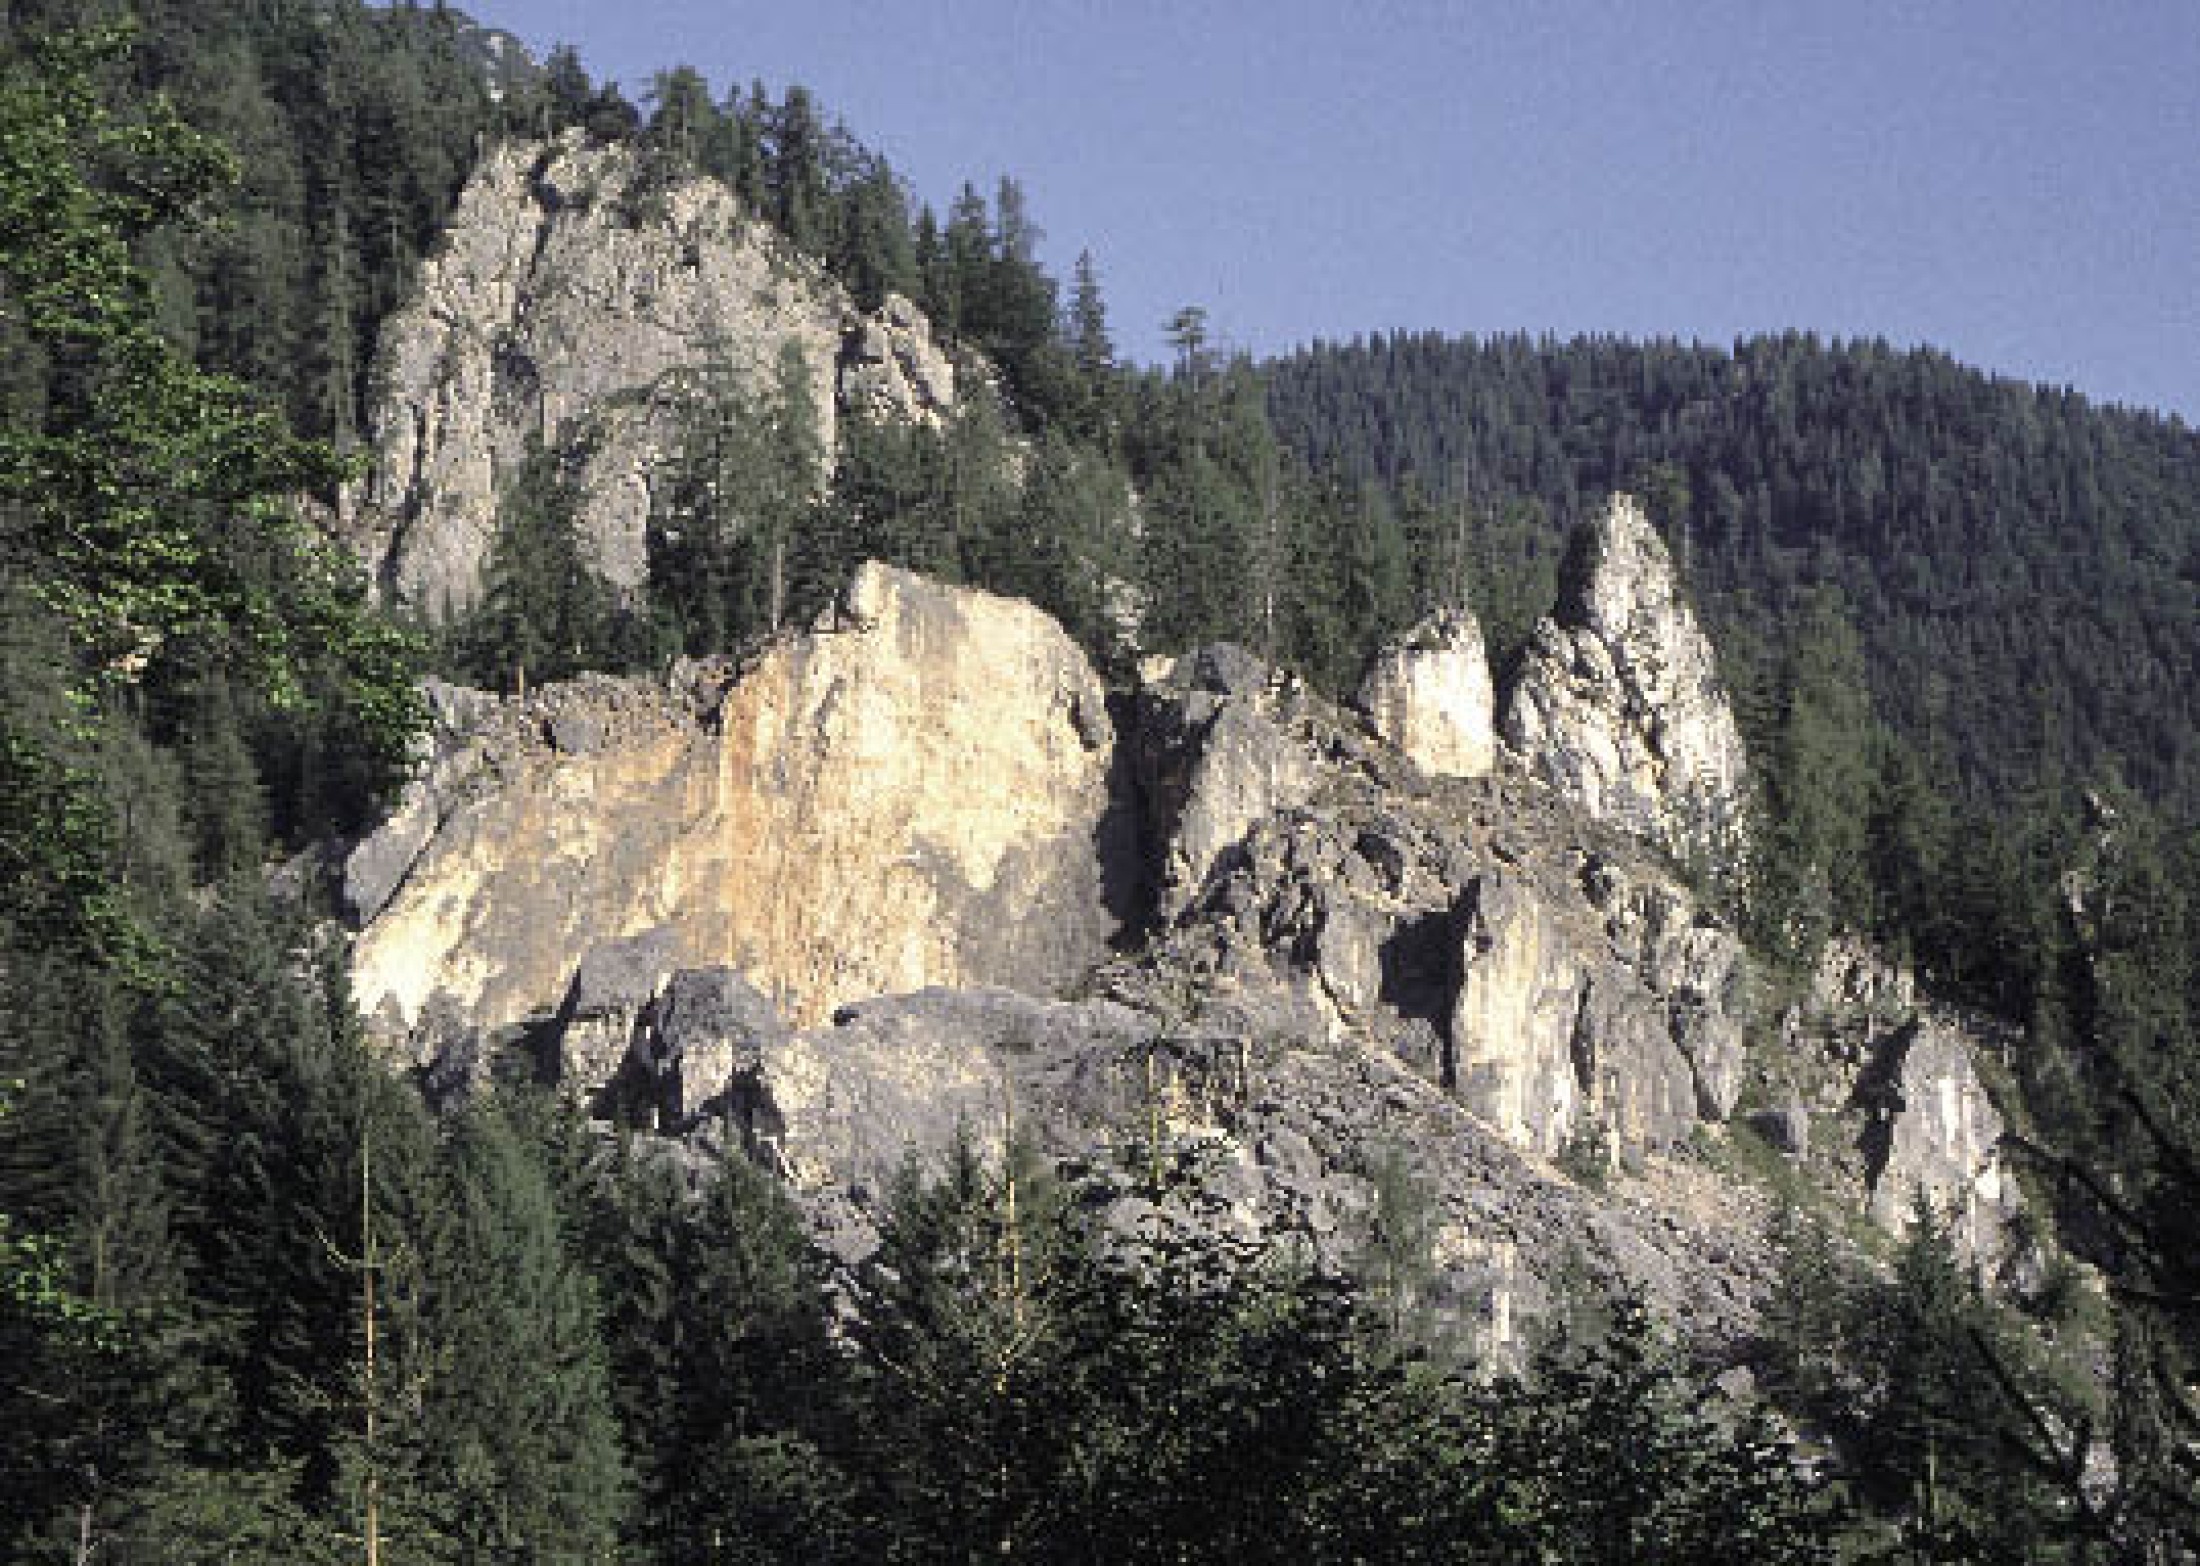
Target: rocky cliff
x=914 y=792
x=1618 y=703
x=1906 y=1080
x=577 y=303
x=1223 y=951
x=1430 y=696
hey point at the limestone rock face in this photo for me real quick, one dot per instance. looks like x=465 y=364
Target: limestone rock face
x=1936 y=1134
x=573 y=305
x=1898 y=1078
x=861 y=900
x=1618 y=703
x=709 y=1025
x=1255 y=1133
x=841 y=1106
x=916 y=792
x=1430 y=696
x=1692 y=963
x=1553 y=1036
x=1213 y=758
x=1555 y=988
x=1513 y=1026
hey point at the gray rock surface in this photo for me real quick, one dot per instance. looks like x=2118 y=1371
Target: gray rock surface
x=854 y=904
x=1899 y=1080
x=1430 y=695
x=569 y=305
x=709 y=1024
x=1213 y=758
x=600 y=1023
x=1936 y=1135
x=1173 y=1122
x=1618 y=703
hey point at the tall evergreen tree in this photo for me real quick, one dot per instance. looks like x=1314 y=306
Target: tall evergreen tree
x=519 y=1440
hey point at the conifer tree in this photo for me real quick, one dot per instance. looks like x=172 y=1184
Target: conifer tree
x=518 y=1438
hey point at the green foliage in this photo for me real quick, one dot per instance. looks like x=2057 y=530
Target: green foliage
x=739 y=544
x=1621 y=1461
x=1807 y=1315
x=517 y=1442
x=1398 y=1253
x=546 y=614
x=1962 y=1435
x=146 y=506
x=730 y=1390
x=1810 y=874
x=142 y=504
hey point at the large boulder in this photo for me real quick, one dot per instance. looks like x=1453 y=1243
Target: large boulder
x=1896 y=1086
x=601 y=1022
x=709 y=1026
x=1429 y=694
x=578 y=307
x=916 y=792
x=1618 y=702
x=1512 y=1027
x=1934 y=1135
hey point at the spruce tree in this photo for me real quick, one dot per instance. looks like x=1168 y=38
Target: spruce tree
x=517 y=1436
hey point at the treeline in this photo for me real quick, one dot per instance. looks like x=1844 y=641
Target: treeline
x=2011 y=569
x=321 y=1315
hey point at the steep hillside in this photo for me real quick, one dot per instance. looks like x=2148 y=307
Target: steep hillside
x=625 y=890
x=963 y=1046
x=581 y=310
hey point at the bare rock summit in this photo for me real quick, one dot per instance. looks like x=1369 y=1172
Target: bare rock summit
x=1618 y=704
x=578 y=305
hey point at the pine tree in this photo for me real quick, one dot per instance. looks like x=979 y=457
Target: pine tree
x=1090 y=342
x=1813 y=869
x=546 y=613
x=517 y=1437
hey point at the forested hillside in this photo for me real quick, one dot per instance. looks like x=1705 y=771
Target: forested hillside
x=1950 y=604
x=259 y=1303
x=2021 y=568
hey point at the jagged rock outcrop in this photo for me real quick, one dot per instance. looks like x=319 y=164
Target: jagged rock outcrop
x=1556 y=986
x=1519 y=998
x=916 y=792
x=708 y=1024
x=858 y=899
x=1935 y=1134
x=1618 y=703
x=1430 y=695
x=1896 y=1081
x=576 y=303
x=1213 y=758
x=1170 y=1113
x=602 y=1020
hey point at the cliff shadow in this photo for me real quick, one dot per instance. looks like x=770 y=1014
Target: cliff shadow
x=1420 y=981
x=1122 y=845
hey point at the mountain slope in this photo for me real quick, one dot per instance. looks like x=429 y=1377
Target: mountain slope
x=2021 y=567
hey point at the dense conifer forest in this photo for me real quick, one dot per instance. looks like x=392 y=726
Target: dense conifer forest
x=258 y=1303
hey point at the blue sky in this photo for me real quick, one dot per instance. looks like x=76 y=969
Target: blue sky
x=2015 y=181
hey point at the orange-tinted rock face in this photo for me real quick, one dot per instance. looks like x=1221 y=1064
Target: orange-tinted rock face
x=914 y=793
